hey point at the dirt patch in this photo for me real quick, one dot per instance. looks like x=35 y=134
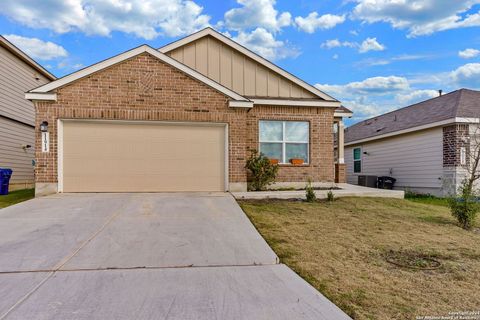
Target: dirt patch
x=412 y=260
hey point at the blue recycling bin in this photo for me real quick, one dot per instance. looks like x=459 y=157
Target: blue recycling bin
x=5 y=175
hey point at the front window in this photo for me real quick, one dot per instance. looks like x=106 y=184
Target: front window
x=357 y=160
x=284 y=140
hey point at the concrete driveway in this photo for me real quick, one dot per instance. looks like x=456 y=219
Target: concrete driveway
x=145 y=256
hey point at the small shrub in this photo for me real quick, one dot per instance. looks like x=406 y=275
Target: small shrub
x=263 y=173
x=309 y=192
x=330 y=196
x=464 y=207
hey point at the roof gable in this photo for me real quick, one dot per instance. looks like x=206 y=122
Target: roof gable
x=238 y=68
x=45 y=92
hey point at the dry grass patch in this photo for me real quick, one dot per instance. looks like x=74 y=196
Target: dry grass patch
x=342 y=248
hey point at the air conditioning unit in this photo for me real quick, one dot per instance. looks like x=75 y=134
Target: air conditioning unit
x=367 y=181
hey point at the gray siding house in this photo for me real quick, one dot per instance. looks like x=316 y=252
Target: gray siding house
x=423 y=146
x=18 y=74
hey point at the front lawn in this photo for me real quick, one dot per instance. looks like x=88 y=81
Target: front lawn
x=16 y=196
x=342 y=249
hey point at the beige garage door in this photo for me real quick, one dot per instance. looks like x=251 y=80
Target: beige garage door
x=142 y=157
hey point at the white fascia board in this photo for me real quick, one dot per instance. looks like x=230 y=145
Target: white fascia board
x=132 y=53
x=467 y=120
x=41 y=96
x=240 y=104
x=248 y=53
x=343 y=114
x=417 y=128
x=297 y=103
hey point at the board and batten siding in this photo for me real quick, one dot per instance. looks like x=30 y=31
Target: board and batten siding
x=17 y=117
x=236 y=71
x=414 y=159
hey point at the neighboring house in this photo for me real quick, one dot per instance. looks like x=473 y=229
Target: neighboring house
x=181 y=118
x=18 y=74
x=422 y=145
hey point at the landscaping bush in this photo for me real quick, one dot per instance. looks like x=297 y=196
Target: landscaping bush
x=464 y=207
x=262 y=171
x=309 y=192
x=330 y=196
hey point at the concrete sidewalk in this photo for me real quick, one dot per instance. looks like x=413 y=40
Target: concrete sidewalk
x=145 y=256
x=345 y=190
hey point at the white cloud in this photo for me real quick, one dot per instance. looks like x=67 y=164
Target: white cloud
x=335 y=43
x=366 y=109
x=389 y=60
x=264 y=43
x=145 y=19
x=374 y=85
x=468 y=53
x=415 y=96
x=377 y=95
x=36 y=48
x=467 y=75
x=68 y=65
x=420 y=17
x=257 y=13
x=313 y=22
x=335 y=57
x=371 y=44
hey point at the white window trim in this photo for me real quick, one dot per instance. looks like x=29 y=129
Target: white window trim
x=284 y=142
x=361 y=159
x=463 y=156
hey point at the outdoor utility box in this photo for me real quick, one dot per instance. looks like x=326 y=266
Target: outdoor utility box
x=386 y=182
x=5 y=175
x=367 y=181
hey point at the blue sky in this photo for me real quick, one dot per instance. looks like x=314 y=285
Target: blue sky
x=373 y=55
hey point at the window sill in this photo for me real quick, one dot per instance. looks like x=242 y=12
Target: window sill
x=293 y=165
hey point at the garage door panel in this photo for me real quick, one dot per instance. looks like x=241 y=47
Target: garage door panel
x=126 y=157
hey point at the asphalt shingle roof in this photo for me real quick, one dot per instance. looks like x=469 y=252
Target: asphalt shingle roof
x=463 y=103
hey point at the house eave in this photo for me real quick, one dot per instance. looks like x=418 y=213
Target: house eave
x=34 y=96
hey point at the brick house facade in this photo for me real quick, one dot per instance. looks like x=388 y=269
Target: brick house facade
x=146 y=88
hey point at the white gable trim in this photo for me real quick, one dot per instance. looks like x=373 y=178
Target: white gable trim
x=413 y=129
x=127 y=55
x=248 y=53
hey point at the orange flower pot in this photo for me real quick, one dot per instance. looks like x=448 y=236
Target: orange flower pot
x=274 y=161
x=296 y=162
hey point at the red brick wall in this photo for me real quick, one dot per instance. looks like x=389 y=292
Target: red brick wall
x=144 y=88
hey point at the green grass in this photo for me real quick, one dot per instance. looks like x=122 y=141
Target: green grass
x=426 y=199
x=341 y=248
x=15 y=197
